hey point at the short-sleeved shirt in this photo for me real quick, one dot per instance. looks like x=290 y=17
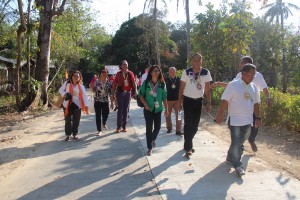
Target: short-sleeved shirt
x=172 y=92
x=258 y=80
x=240 y=108
x=102 y=91
x=145 y=90
x=192 y=88
x=119 y=80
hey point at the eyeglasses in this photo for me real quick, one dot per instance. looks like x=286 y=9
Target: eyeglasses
x=76 y=75
x=156 y=71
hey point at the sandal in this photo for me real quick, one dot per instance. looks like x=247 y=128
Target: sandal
x=67 y=138
x=149 y=152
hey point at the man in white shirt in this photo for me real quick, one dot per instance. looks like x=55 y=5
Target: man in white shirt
x=261 y=84
x=242 y=99
x=144 y=76
x=194 y=82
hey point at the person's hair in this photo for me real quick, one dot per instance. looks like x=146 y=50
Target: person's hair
x=121 y=63
x=197 y=55
x=247 y=59
x=103 y=69
x=160 y=77
x=248 y=67
x=80 y=75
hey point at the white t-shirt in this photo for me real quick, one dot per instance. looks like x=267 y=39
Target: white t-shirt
x=240 y=109
x=144 y=77
x=258 y=80
x=191 y=90
x=65 y=88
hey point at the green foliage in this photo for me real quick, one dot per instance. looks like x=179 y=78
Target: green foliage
x=33 y=85
x=284 y=111
x=179 y=73
x=216 y=95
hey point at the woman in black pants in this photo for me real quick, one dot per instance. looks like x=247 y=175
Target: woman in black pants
x=153 y=95
x=103 y=90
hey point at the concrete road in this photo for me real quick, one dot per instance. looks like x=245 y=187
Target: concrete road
x=114 y=166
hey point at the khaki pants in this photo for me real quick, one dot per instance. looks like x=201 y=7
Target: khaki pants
x=173 y=105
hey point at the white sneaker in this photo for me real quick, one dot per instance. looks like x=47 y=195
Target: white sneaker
x=99 y=133
x=105 y=127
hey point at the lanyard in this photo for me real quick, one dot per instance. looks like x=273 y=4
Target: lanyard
x=153 y=87
x=246 y=94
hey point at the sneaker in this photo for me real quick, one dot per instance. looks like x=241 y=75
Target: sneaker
x=240 y=171
x=188 y=154
x=99 y=133
x=253 y=146
x=179 y=133
x=153 y=144
x=169 y=131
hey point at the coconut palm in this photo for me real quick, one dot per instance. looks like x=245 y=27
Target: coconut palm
x=153 y=4
x=188 y=24
x=280 y=11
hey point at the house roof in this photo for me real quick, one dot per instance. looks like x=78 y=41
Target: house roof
x=12 y=61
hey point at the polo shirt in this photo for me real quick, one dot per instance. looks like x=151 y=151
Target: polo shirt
x=190 y=89
x=161 y=95
x=172 y=93
x=240 y=109
x=258 y=80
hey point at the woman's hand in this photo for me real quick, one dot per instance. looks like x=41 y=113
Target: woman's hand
x=166 y=113
x=146 y=106
x=87 y=110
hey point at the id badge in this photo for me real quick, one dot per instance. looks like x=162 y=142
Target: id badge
x=156 y=104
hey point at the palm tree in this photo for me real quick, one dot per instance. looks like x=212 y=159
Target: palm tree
x=153 y=4
x=280 y=11
x=188 y=24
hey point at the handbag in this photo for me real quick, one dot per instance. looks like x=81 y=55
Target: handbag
x=59 y=101
x=91 y=104
x=138 y=100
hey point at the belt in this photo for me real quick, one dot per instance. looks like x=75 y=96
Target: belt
x=196 y=99
x=125 y=91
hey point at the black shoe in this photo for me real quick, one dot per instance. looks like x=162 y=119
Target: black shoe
x=179 y=133
x=169 y=131
x=188 y=154
x=193 y=150
x=67 y=138
x=253 y=146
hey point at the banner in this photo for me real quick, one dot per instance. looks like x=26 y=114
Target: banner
x=112 y=69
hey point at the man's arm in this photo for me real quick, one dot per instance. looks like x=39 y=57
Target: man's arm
x=180 y=95
x=267 y=96
x=223 y=107
x=208 y=96
x=221 y=84
x=257 y=115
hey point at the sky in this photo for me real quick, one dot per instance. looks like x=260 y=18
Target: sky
x=112 y=13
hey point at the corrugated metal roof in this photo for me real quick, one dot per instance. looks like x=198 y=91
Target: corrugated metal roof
x=8 y=60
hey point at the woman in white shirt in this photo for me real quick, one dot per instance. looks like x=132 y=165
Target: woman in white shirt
x=75 y=101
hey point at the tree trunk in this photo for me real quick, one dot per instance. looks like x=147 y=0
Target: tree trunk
x=188 y=30
x=28 y=42
x=156 y=34
x=284 y=66
x=21 y=29
x=44 y=44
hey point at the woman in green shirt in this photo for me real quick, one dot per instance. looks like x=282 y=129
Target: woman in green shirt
x=153 y=95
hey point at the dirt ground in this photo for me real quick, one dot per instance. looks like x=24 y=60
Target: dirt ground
x=21 y=135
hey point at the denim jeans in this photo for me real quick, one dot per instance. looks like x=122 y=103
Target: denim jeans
x=123 y=100
x=254 y=131
x=238 y=134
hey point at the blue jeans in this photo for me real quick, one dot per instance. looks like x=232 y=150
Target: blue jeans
x=123 y=100
x=238 y=134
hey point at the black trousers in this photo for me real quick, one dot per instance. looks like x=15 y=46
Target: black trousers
x=151 y=133
x=101 y=110
x=192 y=113
x=72 y=121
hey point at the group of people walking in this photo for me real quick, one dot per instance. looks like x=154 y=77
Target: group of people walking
x=158 y=95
